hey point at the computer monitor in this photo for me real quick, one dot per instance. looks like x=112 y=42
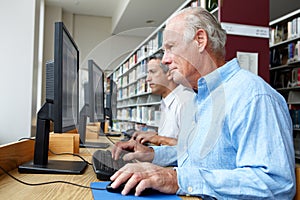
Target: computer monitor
x=114 y=94
x=61 y=106
x=96 y=94
x=93 y=106
x=111 y=102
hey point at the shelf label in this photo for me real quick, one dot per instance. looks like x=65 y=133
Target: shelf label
x=245 y=30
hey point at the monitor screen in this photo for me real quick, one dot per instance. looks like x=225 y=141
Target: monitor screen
x=66 y=61
x=93 y=105
x=96 y=94
x=61 y=106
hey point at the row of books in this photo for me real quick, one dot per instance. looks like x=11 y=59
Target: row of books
x=140 y=114
x=278 y=56
x=285 y=31
x=140 y=55
x=134 y=74
x=149 y=99
x=137 y=88
x=287 y=79
x=151 y=47
x=122 y=126
x=125 y=125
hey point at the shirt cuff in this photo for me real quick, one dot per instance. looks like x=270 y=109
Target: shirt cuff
x=165 y=155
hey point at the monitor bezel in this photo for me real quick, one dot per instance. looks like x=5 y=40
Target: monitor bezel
x=94 y=68
x=60 y=29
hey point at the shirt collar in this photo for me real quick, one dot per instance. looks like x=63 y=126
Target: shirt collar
x=168 y=100
x=213 y=80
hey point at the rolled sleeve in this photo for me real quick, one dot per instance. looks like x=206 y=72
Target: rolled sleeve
x=165 y=155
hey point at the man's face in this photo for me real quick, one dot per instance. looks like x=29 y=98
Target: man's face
x=181 y=56
x=157 y=79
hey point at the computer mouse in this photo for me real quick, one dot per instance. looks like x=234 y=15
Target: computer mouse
x=116 y=190
x=147 y=191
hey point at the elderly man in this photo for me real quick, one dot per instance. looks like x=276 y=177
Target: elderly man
x=242 y=145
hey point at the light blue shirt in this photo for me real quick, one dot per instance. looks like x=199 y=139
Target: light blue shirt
x=239 y=144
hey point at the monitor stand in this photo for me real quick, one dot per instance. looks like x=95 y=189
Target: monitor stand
x=108 y=134
x=82 y=131
x=54 y=167
x=40 y=163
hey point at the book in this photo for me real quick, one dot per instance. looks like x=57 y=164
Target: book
x=297 y=51
x=291 y=48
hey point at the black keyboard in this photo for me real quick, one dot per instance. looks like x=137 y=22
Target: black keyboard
x=104 y=166
x=100 y=145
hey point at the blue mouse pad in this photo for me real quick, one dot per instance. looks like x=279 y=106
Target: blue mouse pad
x=105 y=195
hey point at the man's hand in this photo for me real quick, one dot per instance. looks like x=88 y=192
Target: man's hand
x=144 y=136
x=152 y=137
x=145 y=175
x=133 y=150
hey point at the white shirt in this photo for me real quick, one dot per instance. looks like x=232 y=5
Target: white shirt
x=171 y=110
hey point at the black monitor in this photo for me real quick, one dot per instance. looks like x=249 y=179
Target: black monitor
x=96 y=94
x=93 y=106
x=111 y=102
x=61 y=106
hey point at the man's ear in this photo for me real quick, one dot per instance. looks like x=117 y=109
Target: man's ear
x=201 y=38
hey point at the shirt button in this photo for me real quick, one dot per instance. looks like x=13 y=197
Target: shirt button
x=190 y=189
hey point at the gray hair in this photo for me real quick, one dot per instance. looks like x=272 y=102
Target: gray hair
x=199 y=18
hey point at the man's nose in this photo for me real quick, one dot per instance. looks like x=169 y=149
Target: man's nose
x=166 y=60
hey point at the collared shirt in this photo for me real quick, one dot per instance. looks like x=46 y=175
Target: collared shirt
x=171 y=111
x=241 y=146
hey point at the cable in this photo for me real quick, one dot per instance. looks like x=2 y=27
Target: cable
x=50 y=182
x=72 y=154
x=60 y=154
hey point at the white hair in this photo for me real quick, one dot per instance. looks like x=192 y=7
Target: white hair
x=196 y=18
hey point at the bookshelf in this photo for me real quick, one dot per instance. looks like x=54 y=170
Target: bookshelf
x=285 y=66
x=134 y=96
x=137 y=107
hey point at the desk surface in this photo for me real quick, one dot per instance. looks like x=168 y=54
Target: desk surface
x=11 y=189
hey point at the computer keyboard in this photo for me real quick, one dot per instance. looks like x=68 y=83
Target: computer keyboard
x=100 y=145
x=104 y=166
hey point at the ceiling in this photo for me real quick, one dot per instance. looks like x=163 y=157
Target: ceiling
x=126 y=14
x=138 y=18
x=140 y=14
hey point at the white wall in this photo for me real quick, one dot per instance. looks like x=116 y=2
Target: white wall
x=17 y=39
x=19 y=50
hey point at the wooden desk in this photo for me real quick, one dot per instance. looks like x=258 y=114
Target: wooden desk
x=14 y=154
x=11 y=189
